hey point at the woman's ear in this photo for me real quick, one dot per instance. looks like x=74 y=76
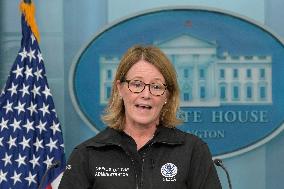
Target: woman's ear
x=119 y=87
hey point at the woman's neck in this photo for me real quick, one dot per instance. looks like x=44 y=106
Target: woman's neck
x=140 y=134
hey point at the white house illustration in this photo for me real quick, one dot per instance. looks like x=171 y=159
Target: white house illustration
x=205 y=77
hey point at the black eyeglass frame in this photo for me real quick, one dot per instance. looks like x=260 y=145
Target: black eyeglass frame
x=145 y=84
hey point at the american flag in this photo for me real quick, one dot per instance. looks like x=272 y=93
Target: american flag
x=30 y=133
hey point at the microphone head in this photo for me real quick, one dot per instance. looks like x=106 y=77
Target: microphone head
x=56 y=164
x=218 y=162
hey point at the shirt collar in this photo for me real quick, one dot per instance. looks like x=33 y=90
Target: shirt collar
x=163 y=135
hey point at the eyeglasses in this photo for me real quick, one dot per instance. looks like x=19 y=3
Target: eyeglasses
x=137 y=86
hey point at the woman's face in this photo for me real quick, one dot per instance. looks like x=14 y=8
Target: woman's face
x=142 y=108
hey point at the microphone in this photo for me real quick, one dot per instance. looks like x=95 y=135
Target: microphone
x=56 y=164
x=219 y=163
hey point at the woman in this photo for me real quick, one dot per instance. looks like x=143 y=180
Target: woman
x=141 y=148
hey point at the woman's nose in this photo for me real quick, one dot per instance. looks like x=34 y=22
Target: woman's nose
x=146 y=92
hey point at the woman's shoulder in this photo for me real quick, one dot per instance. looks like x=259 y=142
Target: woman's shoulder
x=192 y=141
x=175 y=134
x=189 y=137
x=106 y=136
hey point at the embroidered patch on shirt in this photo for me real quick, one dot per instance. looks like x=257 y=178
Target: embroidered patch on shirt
x=68 y=167
x=169 y=171
x=111 y=172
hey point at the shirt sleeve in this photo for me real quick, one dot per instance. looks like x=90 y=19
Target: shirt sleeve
x=76 y=174
x=202 y=171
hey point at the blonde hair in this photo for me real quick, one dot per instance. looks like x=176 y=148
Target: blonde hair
x=114 y=115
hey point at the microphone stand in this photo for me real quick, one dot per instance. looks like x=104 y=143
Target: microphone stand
x=219 y=163
x=54 y=165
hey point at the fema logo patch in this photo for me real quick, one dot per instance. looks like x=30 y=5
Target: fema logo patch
x=169 y=171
